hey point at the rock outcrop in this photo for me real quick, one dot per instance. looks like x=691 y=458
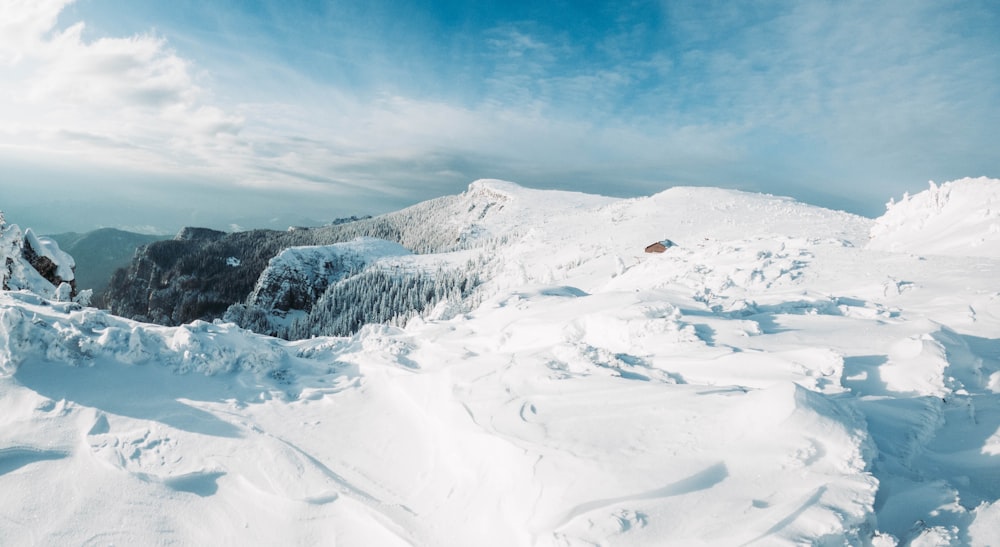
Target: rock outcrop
x=36 y=264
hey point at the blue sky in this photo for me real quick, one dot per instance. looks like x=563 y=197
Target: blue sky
x=151 y=114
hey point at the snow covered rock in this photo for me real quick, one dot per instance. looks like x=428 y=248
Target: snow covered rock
x=296 y=277
x=33 y=263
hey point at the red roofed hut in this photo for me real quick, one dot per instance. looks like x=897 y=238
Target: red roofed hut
x=660 y=246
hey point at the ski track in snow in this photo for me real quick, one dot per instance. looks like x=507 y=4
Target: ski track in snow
x=774 y=379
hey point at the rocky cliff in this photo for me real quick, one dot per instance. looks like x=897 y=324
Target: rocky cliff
x=99 y=253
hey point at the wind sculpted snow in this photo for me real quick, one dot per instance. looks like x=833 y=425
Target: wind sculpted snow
x=956 y=218
x=774 y=379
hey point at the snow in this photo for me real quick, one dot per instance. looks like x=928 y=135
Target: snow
x=776 y=378
x=960 y=217
x=310 y=262
x=362 y=249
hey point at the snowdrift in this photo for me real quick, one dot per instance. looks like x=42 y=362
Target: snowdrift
x=961 y=217
x=774 y=379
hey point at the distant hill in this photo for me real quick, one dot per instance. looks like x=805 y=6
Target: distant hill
x=99 y=253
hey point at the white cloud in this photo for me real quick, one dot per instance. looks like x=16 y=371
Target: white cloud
x=134 y=102
x=130 y=101
x=850 y=73
x=23 y=24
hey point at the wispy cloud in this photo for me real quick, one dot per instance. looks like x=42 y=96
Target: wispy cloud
x=129 y=100
x=873 y=83
x=845 y=97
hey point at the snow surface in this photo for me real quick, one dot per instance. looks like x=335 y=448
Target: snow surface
x=956 y=218
x=774 y=379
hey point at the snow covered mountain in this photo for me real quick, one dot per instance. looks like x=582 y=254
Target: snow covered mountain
x=784 y=375
x=201 y=273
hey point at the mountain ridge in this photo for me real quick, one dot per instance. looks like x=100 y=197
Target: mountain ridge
x=163 y=287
